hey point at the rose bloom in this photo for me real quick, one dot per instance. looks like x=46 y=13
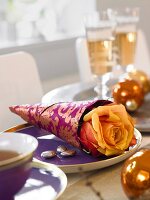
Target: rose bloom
x=107 y=130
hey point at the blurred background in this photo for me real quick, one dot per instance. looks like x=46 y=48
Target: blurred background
x=48 y=30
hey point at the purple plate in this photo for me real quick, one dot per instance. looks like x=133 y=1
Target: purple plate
x=46 y=182
x=81 y=161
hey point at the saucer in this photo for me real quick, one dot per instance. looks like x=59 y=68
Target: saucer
x=46 y=182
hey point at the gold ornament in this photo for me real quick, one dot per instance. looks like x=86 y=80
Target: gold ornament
x=135 y=176
x=141 y=77
x=129 y=93
x=131 y=105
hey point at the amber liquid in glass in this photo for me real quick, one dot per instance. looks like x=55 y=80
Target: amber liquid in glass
x=126 y=44
x=5 y=154
x=100 y=55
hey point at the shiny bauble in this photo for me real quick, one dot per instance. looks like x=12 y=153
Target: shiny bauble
x=142 y=78
x=131 y=105
x=135 y=176
x=129 y=93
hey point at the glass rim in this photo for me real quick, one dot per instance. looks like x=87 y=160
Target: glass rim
x=94 y=20
x=101 y=24
x=124 y=15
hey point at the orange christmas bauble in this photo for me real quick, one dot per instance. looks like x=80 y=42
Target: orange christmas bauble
x=135 y=175
x=129 y=93
x=141 y=77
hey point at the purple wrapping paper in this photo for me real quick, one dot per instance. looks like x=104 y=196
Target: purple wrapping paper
x=62 y=119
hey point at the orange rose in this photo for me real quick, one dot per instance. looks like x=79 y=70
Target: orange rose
x=107 y=130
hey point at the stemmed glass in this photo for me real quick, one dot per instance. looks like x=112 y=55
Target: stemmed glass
x=124 y=45
x=100 y=34
x=126 y=34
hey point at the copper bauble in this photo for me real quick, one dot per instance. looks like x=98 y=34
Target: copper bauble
x=128 y=91
x=142 y=78
x=135 y=176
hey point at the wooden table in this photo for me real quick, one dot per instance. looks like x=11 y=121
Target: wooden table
x=106 y=182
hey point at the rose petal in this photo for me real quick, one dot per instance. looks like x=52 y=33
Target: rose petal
x=133 y=141
x=90 y=147
x=89 y=131
x=122 y=144
x=113 y=117
x=109 y=134
x=113 y=152
x=98 y=129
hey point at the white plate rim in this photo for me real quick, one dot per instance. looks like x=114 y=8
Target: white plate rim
x=103 y=163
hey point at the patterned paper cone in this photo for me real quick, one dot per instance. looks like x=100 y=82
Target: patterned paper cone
x=62 y=119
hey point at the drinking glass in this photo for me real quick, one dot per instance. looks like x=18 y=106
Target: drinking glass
x=100 y=34
x=126 y=34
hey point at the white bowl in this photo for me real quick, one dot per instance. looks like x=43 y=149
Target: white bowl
x=15 y=171
x=21 y=143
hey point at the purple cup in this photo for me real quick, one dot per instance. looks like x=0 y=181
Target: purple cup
x=15 y=171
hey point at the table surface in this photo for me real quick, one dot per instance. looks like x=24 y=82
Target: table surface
x=106 y=181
